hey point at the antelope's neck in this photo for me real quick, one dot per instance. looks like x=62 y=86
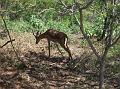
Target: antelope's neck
x=42 y=36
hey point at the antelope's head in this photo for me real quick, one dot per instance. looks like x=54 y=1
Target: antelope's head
x=37 y=36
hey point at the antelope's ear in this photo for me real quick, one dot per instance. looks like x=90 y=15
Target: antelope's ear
x=37 y=33
x=33 y=33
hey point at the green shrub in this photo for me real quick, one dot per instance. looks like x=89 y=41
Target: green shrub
x=18 y=25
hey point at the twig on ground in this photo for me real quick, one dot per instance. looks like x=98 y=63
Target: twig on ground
x=7 y=43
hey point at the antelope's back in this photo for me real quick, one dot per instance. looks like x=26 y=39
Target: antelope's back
x=56 y=34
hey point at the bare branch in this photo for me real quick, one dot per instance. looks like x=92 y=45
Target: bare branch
x=87 y=5
x=7 y=43
x=70 y=9
x=11 y=39
x=85 y=35
x=63 y=3
x=115 y=41
x=45 y=10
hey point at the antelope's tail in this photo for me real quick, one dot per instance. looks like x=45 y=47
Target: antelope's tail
x=66 y=41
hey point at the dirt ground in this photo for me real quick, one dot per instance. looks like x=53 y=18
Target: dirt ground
x=47 y=73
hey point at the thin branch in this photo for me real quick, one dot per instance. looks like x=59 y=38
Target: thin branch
x=7 y=43
x=8 y=32
x=85 y=35
x=115 y=41
x=63 y=3
x=78 y=4
x=45 y=10
x=87 y=5
x=70 y=9
x=11 y=39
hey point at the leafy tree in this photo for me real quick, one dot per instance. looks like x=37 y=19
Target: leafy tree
x=110 y=39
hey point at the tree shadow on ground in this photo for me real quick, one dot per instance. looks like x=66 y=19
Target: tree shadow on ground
x=50 y=73
x=54 y=72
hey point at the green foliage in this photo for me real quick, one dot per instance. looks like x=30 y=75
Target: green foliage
x=37 y=23
x=95 y=28
x=19 y=26
x=26 y=14
x=114 y=67
x=115 y=50
x=62 y=26
x=113 y=59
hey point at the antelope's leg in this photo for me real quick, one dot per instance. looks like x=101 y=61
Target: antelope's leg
x=69 y=52
x=59 y=49
x=49 y=47
x=66 y=48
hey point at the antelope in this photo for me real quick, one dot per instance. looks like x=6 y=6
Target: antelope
x=56 y=37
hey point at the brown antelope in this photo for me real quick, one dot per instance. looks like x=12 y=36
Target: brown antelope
x=56 y=37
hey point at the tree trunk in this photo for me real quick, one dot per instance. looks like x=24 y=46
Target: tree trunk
x=102 y=69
